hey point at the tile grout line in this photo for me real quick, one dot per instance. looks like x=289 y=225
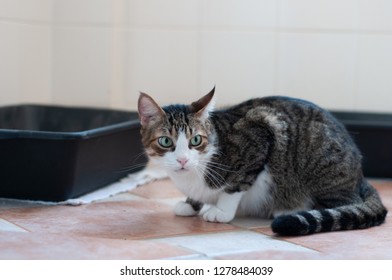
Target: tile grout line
x=274 y=237
x=233 y=251
x=12 y=227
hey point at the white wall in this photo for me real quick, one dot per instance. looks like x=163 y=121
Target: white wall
x=25 y=51
x=102 y=52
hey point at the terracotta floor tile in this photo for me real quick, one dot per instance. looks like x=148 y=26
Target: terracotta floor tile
x=171 y=202
x=384 y=188
x=119 y=220
x=141 y=225
x=52 y=246
x=251 y=222
x=127 y=196
x=371 y=243
x=161 y=189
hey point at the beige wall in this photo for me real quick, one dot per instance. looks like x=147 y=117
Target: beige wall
x=25 y=51
x=102 y=52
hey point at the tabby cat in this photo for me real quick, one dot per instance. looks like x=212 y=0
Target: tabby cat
x=275 y=157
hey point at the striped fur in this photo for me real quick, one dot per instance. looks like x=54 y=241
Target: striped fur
x=314 y=179
x=360 y=215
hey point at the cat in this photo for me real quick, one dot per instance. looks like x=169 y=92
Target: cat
x=276 y=157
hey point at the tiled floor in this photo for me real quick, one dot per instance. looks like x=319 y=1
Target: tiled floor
x=141 y=225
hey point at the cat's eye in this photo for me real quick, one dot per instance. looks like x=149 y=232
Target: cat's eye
x=196 y=140
x=165 y=142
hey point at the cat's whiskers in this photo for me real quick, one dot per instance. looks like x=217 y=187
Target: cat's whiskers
x=217 y=179
x=214 y=172
x=140 y=154
x=200 y=173
x=131 y=168
x=218 y=166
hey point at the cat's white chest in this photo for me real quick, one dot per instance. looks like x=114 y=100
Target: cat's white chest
x=194 y=186
x=258 y=201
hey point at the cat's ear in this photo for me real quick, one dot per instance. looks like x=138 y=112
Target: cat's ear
x=204 y=106
x=149 y=110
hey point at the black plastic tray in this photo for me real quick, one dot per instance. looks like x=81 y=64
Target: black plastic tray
x=54 y=153
x=372 y=132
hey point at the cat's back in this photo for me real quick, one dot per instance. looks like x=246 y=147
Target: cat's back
x=283 y=108
x=278 y=103
x=296 y=125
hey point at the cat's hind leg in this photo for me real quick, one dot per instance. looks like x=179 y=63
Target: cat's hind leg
x=188 y=208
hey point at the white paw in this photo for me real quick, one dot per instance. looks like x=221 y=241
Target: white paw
x=184 y=209
x=216 y=215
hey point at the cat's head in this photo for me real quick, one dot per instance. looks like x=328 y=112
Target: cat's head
x=179 y=138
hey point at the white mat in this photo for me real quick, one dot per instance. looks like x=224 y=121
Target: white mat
x=145 y=176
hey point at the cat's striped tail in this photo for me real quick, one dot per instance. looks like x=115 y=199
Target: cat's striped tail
x=355 y=216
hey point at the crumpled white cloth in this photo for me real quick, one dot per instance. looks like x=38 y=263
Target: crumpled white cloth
x=147 y=175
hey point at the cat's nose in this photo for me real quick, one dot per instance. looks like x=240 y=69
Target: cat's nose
x=182 y=161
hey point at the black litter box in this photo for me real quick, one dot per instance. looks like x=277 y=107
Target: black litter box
x=53 y=153
x=372 y=132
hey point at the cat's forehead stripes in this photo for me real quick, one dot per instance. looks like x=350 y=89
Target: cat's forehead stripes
x=178 y=118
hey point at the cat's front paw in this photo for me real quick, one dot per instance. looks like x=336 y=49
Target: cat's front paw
x=184 y=209
x=216 y=215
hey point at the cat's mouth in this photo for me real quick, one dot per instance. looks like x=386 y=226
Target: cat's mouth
x=181 y=170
